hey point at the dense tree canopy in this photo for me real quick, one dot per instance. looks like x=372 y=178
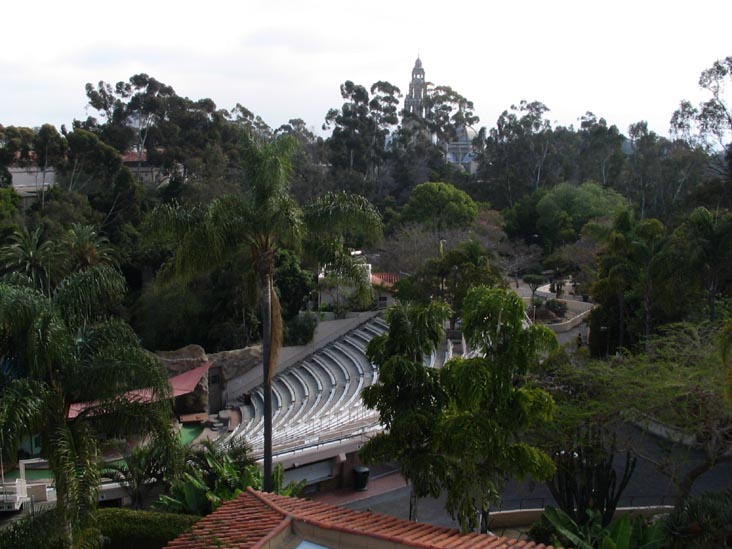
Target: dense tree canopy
x=638 y=218
x=440 y=206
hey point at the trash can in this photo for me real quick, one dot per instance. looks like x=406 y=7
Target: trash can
x=360 y=479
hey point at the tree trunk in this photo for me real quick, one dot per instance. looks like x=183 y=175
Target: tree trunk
x=485 y=516
x=266 y=350
x=621 y=318
x=688 y=481
x=712 y=292
x=413 y=501
x=647 y=312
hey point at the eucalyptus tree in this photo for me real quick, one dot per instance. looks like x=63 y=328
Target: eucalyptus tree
x=353 y=130
x=446 y=111
x=514 y=153
x=131 y=110
x=79 y=376
x=49 y=147
x=358 y=144
x=261 y=219
x=600 y=155
x=709 y=124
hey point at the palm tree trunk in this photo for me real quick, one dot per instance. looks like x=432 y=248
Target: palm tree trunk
x=266 y=350
x=712 y=295
x=621 y=318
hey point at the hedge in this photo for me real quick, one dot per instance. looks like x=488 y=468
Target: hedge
x=39 y=530
x=129 y=529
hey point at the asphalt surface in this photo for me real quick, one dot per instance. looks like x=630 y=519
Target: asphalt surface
x=648 y=486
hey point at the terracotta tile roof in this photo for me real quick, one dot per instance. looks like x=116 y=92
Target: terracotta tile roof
x=133 y=156
x=240 y=523
x=181 y=384
x=388 y=278
x=255 y=518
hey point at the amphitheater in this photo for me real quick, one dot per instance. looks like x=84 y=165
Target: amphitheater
x=318 y=415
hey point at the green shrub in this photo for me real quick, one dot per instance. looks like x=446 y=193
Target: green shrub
x=40 y=530
x=542 y=531
x=702 y=521
x=129 y=529
x=300 y=330
x=555 y=306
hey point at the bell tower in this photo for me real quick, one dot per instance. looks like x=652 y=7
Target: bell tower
x=414 y=102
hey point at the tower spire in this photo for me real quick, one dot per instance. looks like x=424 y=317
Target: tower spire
x=414 y=102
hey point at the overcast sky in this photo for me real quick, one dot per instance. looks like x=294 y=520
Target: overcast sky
x=623 y=60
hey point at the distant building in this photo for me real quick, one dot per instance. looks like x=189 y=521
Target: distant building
x=149 y=173
x=459 y=151
x=31 y=181
x=414 y=102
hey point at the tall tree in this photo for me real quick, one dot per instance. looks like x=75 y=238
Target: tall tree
x=513 y=154
x=131 y=109
x=28 y=255
x=440 y=206
x=709 y=125
x=630 y=276
x=50 y=149
x=408 y=396
x=446 y=111
x=601 y=156
x=70 y=350
x=258 y=221
x=490 y=404
x=706 y=239
x=353 y=130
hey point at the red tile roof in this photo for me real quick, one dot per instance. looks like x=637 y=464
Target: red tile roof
x=388 y=278
x=179 y=385
x=133 y=156
x=255 y=518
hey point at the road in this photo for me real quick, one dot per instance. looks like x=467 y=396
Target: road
x=647 y=487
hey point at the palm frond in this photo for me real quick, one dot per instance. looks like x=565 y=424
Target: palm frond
x=88 y=295
x=21 y=410
x=339 y=212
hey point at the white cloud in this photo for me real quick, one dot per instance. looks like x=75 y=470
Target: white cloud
x=623 y=60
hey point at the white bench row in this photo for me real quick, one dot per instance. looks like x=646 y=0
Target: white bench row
x=312 y=393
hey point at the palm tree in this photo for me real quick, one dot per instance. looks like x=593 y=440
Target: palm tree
x=67 y=349
x=27 y=255
x=84 y=248
x=708 y=238
x=257 y=222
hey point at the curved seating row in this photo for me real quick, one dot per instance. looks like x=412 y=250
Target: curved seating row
x=317 y=398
